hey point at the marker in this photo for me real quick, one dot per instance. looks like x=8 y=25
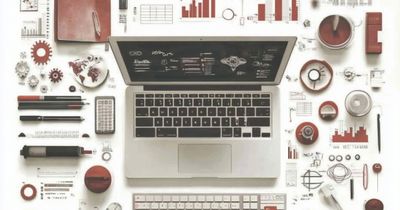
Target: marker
x=50 y=118
x=53 y=151
x=49 y=98
x=378 y=122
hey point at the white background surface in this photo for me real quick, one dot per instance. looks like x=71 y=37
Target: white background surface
x=15 y=170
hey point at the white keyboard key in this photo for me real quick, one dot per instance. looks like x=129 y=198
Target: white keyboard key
x=154 y=205
x=142 y=206
x=235 y=198
x=163 y=206
x=180 y=206
x=166 y=198
x=189 y=206
x=206 y=206
x=235 y=206
x=218 y=198
x=254 y=198
x=246 y=198
x=224 y=205
x=140 y=198
x=171 y=205
x=149 y=198
x=215 y=206
x=183 y=198
x=246 y=205
x=254 y=206
x=158 y=198
x=197 y=206
x=192 y=198
x=201 y=198
x=226 y=198
x=175 y=198
x=210 y=198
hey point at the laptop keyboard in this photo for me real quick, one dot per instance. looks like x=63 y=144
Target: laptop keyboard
x=235 y=115
x=266 y=201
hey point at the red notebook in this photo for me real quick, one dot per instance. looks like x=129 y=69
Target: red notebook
x=82 y=20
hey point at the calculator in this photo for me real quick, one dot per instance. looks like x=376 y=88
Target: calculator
x=105 y=114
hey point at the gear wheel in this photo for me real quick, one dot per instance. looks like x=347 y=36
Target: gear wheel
x=33 y=81
x=55 y=75
x=22 y=69
x=41 y=52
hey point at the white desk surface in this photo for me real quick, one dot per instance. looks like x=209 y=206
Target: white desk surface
x=15 y=170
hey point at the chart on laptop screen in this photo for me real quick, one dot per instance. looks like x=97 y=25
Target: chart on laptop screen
x=202 y=61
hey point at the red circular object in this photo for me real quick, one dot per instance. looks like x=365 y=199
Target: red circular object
x=374 y=204
x=306 y=67
x=335 y=39
x=97 y=179
x=328 y=110
x=377 y=167
x=28 y=197
x=41 y=59
x=307 y=133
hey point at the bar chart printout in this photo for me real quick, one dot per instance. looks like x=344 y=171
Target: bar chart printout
x=200 y=9
x=279 y=10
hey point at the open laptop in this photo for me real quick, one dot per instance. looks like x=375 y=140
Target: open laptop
x=202 y=106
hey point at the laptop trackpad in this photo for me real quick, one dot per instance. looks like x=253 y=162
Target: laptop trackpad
x=205 y=158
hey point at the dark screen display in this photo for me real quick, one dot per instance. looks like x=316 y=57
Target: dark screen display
x=203 y=61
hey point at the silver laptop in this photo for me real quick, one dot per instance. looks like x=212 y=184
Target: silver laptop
x=202 y=106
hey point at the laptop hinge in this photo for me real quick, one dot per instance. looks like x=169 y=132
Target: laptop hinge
x=202 y=87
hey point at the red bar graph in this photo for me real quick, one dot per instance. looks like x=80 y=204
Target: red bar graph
x=295 y=11
x=261 y=12
x=278 y=10
x=199 y=9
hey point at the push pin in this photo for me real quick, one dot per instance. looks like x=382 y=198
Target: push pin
x=377 y=168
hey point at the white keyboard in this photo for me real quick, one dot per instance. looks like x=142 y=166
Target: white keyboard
x=267 y=201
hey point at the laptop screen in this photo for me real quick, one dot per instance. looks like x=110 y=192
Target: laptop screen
x=185 y=61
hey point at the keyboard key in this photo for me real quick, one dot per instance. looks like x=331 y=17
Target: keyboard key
x=196 y=121
x=140 y=122
x=221 y=111
x=211 y=95
x=176 y=95
x=216 y=102
x=172 y=205
x=237 y=132
x=230 y=95
x=192 y=198
x=206 y=102
x=256 y=132
x=242 y=121
x=250 y=111
x=178 y=102
x=187 y=121
x=192 y=111
x=158 y=121
x=139 y=95
x=202 y=111
x=140 y=112
x=173 y=112
x=166 y=132
x=184 y=95
x=142 y=206
x=198 y=102
x=246 y=95
x=246 y=135
x=215 y=206
x=235 y=206
x=139 y=102
x=205 y=121
x=257 y=121
x=256 y=95
x=163 y=111
x=140 y=198
x=203 y=95
x=216 y=122
x=168 y=102
x=266 y=135
x=199 y=132
x=159 y=95
x=246 y=102
x=226 y=132
x=149 y=102
x=154 y=205
x=182 y=111
x=260 y=102
x=163 y=206
x=168 y=95
x=226 y=102
x=193 y=95
x=231 y=112
x=240 y=111
x=159 y=102
x=262 y=112
x=188 y=102
x=180 y=206
x=225 y=121
x=212 y=112
x=153 y=112
x=177 y=122
x=167 y=121
x=235 y=102
x=218 y=198
x=149 y=95
x=219 y=95
x=265 y=95
x=238 y=95
x=145 y=132
x=198 y=206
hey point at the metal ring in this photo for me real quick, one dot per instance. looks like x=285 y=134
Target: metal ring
x=228 y=16
x=331 y=158
x=348 y=157
x=106 y=156
x=339 y=158
x=25 y=196
x=357 y=157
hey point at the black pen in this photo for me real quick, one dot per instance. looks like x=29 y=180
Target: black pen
x=47 y=106
x=50 y=118
x=50 y=98
x=378 y=121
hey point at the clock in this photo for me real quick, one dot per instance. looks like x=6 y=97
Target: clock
x=316 y=75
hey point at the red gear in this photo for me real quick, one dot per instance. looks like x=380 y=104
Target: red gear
x=41 y=60
x=55 y=75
